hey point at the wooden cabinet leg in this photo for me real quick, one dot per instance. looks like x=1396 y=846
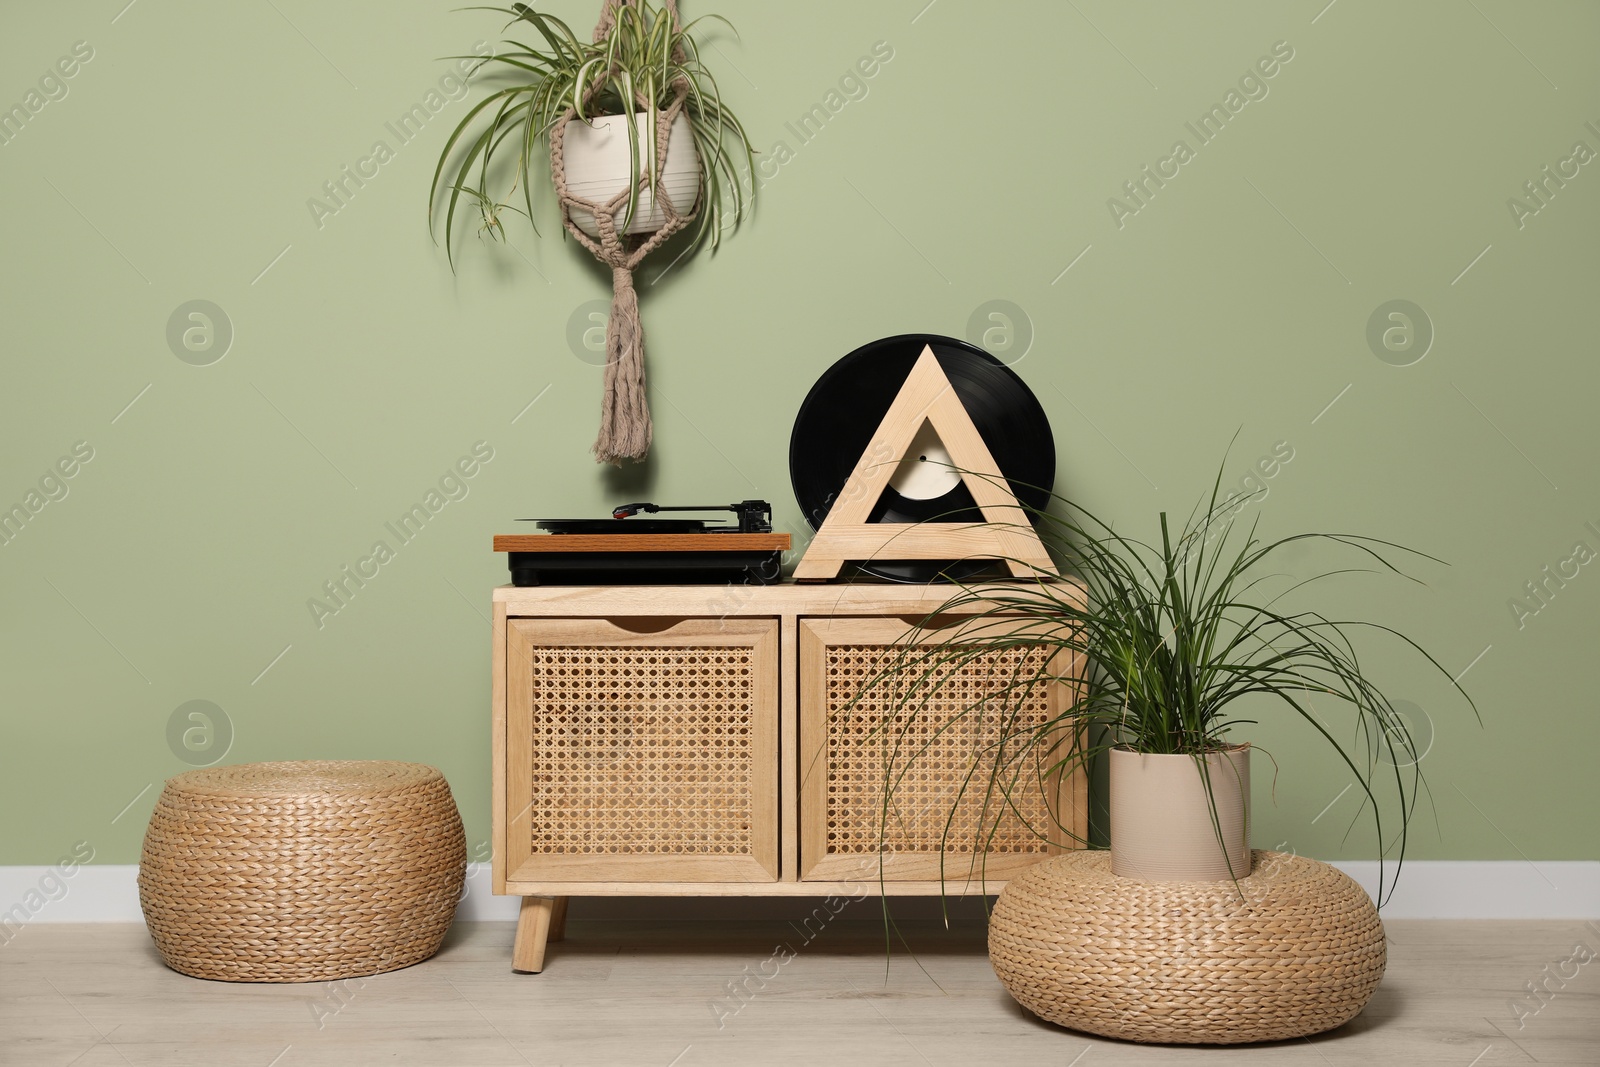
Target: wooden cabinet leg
x=533 y=932
x=558 y=920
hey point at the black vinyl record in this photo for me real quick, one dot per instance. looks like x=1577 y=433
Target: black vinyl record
x=841 y=413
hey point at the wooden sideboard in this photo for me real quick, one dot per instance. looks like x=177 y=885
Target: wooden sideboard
x=692 y=740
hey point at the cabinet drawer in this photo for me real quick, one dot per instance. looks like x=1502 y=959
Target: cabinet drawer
x=856 y=735
x=641 y=750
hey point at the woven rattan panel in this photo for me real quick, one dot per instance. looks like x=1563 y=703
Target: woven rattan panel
x=642 y=751
x=927 y=747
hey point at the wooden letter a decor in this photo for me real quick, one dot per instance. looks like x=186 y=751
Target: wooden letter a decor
x=1006 y=534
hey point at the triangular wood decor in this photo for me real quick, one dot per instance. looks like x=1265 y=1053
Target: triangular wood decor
x=846 y=535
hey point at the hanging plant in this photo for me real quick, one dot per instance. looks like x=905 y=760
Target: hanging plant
x=652 y=152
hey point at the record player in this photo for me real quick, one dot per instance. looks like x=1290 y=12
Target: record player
x=916 y=458
x=628 y=548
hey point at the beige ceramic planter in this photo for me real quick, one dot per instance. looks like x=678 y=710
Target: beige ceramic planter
x=598 y=168
x=1161 y=828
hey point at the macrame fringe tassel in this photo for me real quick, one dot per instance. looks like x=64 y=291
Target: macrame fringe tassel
x=624 y=412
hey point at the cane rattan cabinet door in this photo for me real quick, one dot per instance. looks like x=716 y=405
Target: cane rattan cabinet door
x=641 y=750
x=933 y=738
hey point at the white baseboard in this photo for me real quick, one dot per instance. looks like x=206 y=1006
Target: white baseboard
x=1485 y=889
x=105 y=893
x=1429 y=889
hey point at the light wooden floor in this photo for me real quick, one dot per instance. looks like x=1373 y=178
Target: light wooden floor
x=648 y=994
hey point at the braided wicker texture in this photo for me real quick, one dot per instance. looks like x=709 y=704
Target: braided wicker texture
x=1295 y=949
x=301 y=872
x=926 y=745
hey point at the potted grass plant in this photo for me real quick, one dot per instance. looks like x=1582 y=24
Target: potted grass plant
x=1172 y=642
x=639 y=147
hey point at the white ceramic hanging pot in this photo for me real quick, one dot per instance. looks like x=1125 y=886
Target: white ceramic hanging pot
x=1161 y=816
x=597 y=168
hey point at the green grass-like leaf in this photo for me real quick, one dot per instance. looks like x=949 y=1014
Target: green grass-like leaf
x=1161 y=639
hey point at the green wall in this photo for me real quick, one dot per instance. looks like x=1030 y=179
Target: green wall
x=1378 y=166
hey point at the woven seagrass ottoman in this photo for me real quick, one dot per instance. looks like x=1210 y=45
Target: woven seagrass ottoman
x=1293 y=949
x=301 y=872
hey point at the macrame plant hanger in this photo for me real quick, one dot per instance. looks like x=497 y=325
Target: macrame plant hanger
x=624 y=412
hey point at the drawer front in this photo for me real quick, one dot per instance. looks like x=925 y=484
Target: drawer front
x=935 y=752
x=641 y=750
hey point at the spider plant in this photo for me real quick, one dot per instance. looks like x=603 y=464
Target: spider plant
x=636 y=68
x=1162 y=640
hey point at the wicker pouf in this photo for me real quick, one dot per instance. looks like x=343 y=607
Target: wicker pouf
x=301 y=872
x=1296 y=948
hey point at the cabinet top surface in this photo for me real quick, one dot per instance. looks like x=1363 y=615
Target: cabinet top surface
x=786 y=598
